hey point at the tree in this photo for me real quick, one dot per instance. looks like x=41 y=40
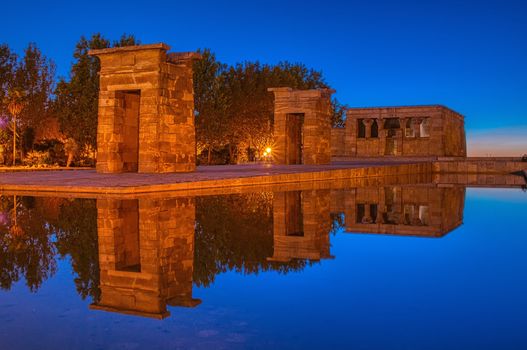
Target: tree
x=209 y=103
x=76 y=103
x=250 y=105
x=34 y=76
x=15 y=103
x=338 y=116
x=7 y=70
x=234 y=110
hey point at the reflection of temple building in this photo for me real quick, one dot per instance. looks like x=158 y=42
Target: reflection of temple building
x=302 y=220
x=402 y=210
x=301 y=225
x=146 y=255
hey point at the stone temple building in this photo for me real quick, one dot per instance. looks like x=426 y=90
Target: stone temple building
x=407 y=131
x=146 y=110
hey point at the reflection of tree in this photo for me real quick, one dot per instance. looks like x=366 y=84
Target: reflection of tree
x=76 y=230
x=27 y=250
x=235 y=232
x=45 y=226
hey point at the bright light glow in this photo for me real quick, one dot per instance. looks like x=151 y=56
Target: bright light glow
x=268 y=150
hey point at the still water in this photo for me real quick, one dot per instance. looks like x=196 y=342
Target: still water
x=373 y=267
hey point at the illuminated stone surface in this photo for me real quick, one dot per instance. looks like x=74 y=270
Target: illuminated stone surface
x=408 y=131
x=146 y=110
x=302 y=126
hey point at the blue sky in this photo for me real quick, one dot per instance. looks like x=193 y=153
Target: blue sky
x=468 y=55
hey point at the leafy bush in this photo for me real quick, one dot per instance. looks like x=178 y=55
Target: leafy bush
x=38 y=159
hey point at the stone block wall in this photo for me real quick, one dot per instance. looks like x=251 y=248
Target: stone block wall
x=163 y=84
x=446 y=133
x=315 y=108
x=479 y=165
x=338 y=145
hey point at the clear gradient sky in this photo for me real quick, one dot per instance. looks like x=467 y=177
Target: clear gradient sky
x=468 y=55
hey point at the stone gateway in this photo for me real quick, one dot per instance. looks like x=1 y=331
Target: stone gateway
x=146 y=110
x=302 y=126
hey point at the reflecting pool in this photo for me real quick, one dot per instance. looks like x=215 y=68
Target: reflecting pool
x=394 y=264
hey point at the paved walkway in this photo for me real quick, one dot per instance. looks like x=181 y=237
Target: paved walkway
x=205 y=176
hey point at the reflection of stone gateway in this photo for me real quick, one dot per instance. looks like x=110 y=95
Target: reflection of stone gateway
x=301 y=225
x=146 y=255
x=146 y=110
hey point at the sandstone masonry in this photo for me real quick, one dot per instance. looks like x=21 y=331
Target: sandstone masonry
x=146 y=110
x=302 y=126
x=408 y=131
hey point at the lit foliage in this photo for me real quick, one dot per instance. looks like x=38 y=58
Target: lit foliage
x=26 y=87
x=234 y=110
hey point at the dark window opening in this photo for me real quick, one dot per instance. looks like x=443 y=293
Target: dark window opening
x=364 y=217
x=374 y=129
x=373 y=212
x=361 y=129
x=360 y=213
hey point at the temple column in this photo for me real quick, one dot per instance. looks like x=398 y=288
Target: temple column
x=367 y=125
x=382 y=136
x=416 y=126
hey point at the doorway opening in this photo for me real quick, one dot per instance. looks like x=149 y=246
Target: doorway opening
x=295 y=138
x=129 y=107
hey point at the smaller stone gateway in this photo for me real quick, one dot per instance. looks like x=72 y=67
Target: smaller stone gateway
x=302 y=126
x=146 y=110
